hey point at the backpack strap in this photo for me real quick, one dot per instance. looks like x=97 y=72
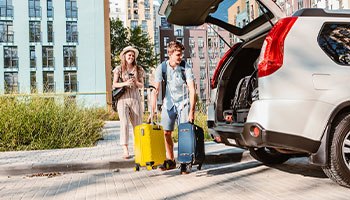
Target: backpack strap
x=164 y=81
x=182 y=66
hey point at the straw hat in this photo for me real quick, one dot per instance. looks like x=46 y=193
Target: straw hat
x=129 y=48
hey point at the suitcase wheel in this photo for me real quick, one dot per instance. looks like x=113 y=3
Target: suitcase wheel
x=154 y=167
x=137 y=168
x=149 y=167
x=183 y=168
x=199 y=167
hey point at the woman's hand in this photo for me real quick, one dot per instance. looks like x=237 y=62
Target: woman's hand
x=129 y=82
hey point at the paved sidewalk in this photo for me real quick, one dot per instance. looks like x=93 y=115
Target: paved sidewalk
x=105 y=155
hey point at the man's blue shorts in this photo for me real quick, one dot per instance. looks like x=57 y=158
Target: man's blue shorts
x=170 y=116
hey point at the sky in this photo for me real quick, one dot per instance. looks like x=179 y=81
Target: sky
x=221 y=12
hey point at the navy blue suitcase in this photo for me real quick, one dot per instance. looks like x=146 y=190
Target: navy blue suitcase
x=190 y=146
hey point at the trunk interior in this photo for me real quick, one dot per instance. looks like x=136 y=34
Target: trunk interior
x=241 y=65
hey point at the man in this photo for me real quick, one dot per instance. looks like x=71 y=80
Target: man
x=174 y=107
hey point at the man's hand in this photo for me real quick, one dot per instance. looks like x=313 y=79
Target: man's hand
x=149 y=119
x=191 y=117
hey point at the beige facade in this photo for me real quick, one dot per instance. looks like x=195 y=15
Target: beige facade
x=253 y=10
x=140 y=13
x=234 y=10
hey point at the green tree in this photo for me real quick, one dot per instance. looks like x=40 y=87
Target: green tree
x=122 y=37
x=119 y=39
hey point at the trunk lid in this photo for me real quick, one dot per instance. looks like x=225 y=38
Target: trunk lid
x=245 y=19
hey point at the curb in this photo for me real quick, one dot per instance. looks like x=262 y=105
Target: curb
x=18 y=170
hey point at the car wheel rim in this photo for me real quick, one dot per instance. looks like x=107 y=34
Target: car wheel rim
x=346 y=150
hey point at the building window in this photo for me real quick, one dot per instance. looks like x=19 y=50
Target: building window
x=144 y=26
x=222 y=43
x=200 y=42
x=71 y=9
x=129 y=4
x=70 y=56
x=166 y=41
x=48 y=59
x=147 y=4
x=129 y=14
x=32 y=57
x=135 y=3
x=147 y=14
x=70 y=82
x=72 y=32
x=202 y=63
x=11 y=82
x=6 y=8
x=50 y=31
x=33 y=85
x=136 y=14
x=133 y=24
x=34 y=31
x=34 y=8
x=300 y=4
x=180 y=39
x=10 y=58
x=49 y=9
x=6 y=31
x=48 y=82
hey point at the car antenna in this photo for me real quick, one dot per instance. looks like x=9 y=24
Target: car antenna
x=263 y=11
x=220 y=36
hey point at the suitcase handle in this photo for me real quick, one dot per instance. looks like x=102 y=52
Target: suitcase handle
x=183 y=102
x=150 y=98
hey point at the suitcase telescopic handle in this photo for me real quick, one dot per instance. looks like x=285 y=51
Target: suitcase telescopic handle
x=183 y=101
x=150 y=98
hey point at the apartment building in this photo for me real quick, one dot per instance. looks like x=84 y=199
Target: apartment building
x=117 y=10
x=56 y=47
x=140 y=13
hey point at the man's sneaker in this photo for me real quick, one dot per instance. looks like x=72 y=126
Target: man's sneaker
x=168 y=164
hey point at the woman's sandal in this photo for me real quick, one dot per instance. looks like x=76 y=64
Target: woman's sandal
x=126 y=156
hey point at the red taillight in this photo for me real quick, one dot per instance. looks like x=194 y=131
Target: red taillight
x=218 y=68
x=217 y=138
x=271 y=56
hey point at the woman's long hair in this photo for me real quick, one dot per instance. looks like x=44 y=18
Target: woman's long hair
x=124 y=65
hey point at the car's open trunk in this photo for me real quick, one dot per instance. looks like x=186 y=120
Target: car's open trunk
x=242 y=65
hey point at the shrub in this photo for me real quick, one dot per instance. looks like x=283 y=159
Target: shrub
x=32 y=123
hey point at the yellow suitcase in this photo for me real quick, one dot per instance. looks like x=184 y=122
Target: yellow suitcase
x=149 y=146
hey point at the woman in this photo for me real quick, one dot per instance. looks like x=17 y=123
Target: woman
x=129 y=104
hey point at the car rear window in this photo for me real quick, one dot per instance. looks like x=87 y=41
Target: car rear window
x=334 y=39
x=238 y=13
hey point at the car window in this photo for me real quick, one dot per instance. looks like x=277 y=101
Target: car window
x=334 y=39
x=238 y=13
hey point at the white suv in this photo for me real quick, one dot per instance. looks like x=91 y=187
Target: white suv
x=285 y=89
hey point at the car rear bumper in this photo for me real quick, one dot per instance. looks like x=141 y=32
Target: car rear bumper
x=243 y=136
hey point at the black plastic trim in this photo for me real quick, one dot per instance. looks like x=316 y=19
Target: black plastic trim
x=265 y=139
x=279 y=140
x=321 y=156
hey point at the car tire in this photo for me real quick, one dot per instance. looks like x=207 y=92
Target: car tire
x=338 y=166
x=268 y=155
